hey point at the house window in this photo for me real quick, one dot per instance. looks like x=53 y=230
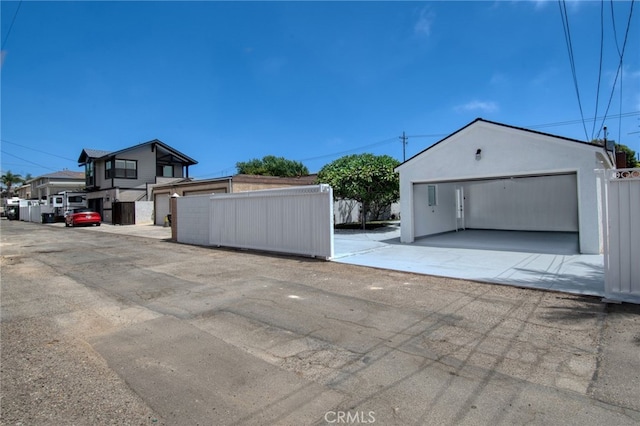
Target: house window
x=89 y=174
x=432 y=194
x=165 y=170
x=127 y=169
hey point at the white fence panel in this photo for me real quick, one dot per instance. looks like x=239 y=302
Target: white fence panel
x=31 y=211
x=295 y=220
x=622 y=234
x=192 y=220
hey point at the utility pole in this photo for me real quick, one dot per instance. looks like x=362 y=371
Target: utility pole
x=404 y=138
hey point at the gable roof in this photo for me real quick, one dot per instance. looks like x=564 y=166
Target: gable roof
x=96 y=154
x=479 y=119
x=64 y=174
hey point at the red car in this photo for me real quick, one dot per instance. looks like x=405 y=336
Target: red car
x=79 y=217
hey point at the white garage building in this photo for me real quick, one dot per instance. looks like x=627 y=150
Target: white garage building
x=494 y=176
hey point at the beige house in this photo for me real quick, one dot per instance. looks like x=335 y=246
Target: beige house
x=41 y=187
x=239 y=183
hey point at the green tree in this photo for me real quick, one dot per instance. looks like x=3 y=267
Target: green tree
x=271 y=165
x=9 y=179
x=632 y=159
x=366 y=178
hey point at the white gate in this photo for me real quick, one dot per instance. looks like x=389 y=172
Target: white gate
x=296 y=220
x=621 y=225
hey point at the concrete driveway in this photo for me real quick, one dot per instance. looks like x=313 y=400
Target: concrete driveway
x=546 y=261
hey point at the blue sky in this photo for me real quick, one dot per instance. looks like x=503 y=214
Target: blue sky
x=224 y=82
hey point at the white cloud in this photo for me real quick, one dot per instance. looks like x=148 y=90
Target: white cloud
x=475 y=105
x=425 y=21
x=539 y=4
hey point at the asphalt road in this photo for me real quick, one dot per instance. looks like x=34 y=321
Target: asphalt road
x=102 y=328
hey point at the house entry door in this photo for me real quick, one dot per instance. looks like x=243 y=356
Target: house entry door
x=460 y=208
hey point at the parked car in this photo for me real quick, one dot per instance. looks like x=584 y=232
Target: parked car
x=12 y=213
x=82 y=216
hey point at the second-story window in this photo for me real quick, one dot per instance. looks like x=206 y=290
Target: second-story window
x=127 y=169
x=165 y=170
x=89 y=181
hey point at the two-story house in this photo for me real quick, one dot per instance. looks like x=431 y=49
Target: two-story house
x=42 y=187
x=130 y=173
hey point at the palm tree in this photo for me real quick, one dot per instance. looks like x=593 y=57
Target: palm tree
x=9 y=179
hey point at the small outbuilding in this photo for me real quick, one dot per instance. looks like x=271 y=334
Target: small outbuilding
x=493 y=176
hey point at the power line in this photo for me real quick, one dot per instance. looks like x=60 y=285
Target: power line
x=6 y=37
x=567 y=37
x=36 y=150
x=434 y=135
x=27 y=161
x=386 y=141
x=618 y=72
x=564 y=123
x=615 y=32
x=595 y=114
x=615 y=38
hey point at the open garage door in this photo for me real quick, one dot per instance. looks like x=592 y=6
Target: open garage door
x=531 y=203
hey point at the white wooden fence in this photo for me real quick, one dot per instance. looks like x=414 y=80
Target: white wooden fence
x=296 y=220
x=621 y=225
x=32 y=210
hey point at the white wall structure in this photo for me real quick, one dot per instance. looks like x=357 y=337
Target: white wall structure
x=296 y=220
x=348 y=211
x=193 y=219
x=163 y=208
x=32 y=210
x=493 y=176
x=144 y=212
x=622 y=234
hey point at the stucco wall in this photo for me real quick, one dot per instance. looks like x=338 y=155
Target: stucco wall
x=144 y=212
x=434 y=219
x=506 y=152
x=546 y=203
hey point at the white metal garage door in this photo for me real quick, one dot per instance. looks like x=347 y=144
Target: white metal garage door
x=534 y=203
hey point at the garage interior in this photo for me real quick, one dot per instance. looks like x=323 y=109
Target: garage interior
x=564 y=243
x=533 y=213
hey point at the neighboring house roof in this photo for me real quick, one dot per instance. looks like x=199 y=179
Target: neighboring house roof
x=96 y=154
x=301 y=180
x=582 y=143
x=64 y=174
x=91 y=153
x=241 y=178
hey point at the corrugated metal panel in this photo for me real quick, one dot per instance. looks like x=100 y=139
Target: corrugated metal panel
x=192 y=220
x=622 y=234
x=296 y=220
